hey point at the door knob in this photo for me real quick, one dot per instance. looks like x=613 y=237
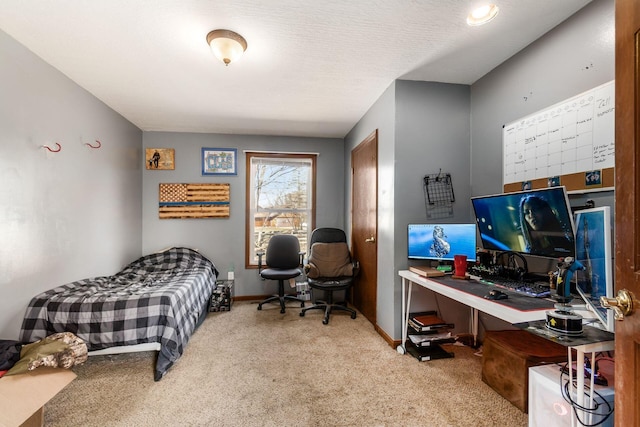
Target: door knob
x=622 y=305
x=371 y=239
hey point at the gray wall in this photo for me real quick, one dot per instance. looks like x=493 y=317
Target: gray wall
x=380 y=116
x=576 y=56
x=82 y=212
x=423 y=127
x=63 y=216
x=223 y=239
x=432 y=134
x=572 y=58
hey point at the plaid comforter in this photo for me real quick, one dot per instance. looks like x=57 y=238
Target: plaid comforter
x=158 y=298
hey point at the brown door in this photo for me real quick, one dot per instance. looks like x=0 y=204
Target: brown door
x=627 y=209
x=364 y=224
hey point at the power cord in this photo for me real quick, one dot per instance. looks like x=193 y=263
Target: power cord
x=515 y=263
x=566 y=394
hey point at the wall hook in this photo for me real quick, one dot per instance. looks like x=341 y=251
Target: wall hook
x=94 y=146
x=53 y=151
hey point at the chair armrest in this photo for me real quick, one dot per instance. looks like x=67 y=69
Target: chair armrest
x=260 y=255
x=301 y=254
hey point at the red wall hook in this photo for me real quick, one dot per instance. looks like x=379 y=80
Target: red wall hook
x=52 y=150
x=95 y=146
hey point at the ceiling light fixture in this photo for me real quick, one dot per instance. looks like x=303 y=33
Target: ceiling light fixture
x=482 y=15
x=226 y=45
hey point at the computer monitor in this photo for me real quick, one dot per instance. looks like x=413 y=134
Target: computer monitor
x=593 y=251
x=441 y=242
x=535 y=222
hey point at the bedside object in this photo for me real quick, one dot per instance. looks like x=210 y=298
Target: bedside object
x=222 y=296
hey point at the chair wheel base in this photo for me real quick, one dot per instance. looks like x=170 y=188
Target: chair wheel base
x=280 y=299
x=328 y=309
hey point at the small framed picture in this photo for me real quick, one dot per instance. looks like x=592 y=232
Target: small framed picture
x=553 y=181
x=593 y=178
x=160 y=158
x=219 y=161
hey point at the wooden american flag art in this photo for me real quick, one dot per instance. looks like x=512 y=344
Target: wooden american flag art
x=194 y=201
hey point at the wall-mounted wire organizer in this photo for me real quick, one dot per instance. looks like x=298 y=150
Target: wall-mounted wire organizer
x=438 y=195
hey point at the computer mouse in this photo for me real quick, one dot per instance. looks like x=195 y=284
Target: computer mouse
x=495 y=294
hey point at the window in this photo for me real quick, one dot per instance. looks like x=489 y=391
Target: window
x=280 y=199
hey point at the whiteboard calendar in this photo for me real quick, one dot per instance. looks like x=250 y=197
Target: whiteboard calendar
x=573 y=136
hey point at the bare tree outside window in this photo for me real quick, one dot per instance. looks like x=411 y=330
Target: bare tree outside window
x=280 y=189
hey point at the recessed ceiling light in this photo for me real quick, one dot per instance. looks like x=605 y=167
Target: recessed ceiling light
x=482 y=15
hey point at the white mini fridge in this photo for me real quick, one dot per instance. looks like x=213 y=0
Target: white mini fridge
x=548 y=408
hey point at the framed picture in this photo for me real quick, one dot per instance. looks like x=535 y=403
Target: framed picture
x=553 y=181
x=179 y=200
x=219 y=161
x=160 y=158
x=593 y=178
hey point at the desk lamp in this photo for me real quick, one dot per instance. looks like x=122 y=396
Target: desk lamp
x=563 y=319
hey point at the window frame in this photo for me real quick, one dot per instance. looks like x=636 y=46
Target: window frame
x=249 y=191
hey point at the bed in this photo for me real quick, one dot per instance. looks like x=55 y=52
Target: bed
x=159 y=298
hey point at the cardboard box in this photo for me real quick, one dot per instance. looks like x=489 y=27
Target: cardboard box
x=22 y=397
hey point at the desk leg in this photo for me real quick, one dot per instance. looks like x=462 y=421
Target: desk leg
x=578 y=394
x=474 y=325
x=587 y=418
x=580 y=379
x=591 y=387
x=579 y=398
x=574 y=421
x=592 y=384
x=406 y=303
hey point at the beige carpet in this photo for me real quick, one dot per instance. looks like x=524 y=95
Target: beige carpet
x=262 y=368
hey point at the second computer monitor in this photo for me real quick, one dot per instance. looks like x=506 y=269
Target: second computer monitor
x=441 y=242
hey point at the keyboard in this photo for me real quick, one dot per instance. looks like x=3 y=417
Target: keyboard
x=535 y=289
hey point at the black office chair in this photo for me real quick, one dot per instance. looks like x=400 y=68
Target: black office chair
x=330 y=269
x=283 y=260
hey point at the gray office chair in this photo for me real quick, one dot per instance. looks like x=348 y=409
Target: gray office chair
x=330 y=269
x=283 y=260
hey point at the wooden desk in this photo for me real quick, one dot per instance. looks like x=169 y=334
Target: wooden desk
x=470 y=293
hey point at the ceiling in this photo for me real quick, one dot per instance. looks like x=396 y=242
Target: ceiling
x=311 y=68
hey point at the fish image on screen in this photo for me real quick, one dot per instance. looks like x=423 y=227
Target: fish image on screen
x=441 y=242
